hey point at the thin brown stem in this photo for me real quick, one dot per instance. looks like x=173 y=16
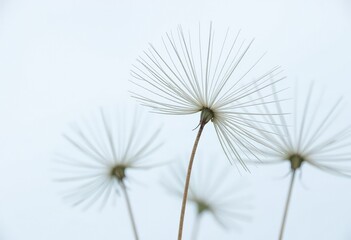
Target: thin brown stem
x=187 y=181
x=287 y=205
x=124 y=189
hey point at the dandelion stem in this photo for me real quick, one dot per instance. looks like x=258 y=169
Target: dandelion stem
x=124 y=189
x=187 y=180
x=287 y=204
x=196 y=227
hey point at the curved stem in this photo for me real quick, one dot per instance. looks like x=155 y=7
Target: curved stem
x=287 y=204
x=187 y=181
x=124 y=189
x=196 y=227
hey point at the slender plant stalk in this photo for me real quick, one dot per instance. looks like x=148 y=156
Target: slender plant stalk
x=196 y=227
x=124 y=189
x=287 y=204
x=187 y=181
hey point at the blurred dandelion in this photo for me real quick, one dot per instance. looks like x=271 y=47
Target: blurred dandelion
x=198 y=74
x=225 y=203
x=307 y=141
x=100 y=154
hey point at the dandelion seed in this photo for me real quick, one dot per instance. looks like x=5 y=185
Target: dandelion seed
x=100 y=155
x=225 y=203
x=308 y=142
x=200 y=74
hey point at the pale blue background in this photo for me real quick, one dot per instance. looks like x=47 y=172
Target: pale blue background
x=61 y=58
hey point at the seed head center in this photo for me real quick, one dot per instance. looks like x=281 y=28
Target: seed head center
x=202 y=207
x=296 y=161
x=119 y=172
x=206 y=115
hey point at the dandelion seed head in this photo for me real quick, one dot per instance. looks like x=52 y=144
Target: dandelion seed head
x=224 y=202
x=310 y=138
x=101 y=152
x=207 y=73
